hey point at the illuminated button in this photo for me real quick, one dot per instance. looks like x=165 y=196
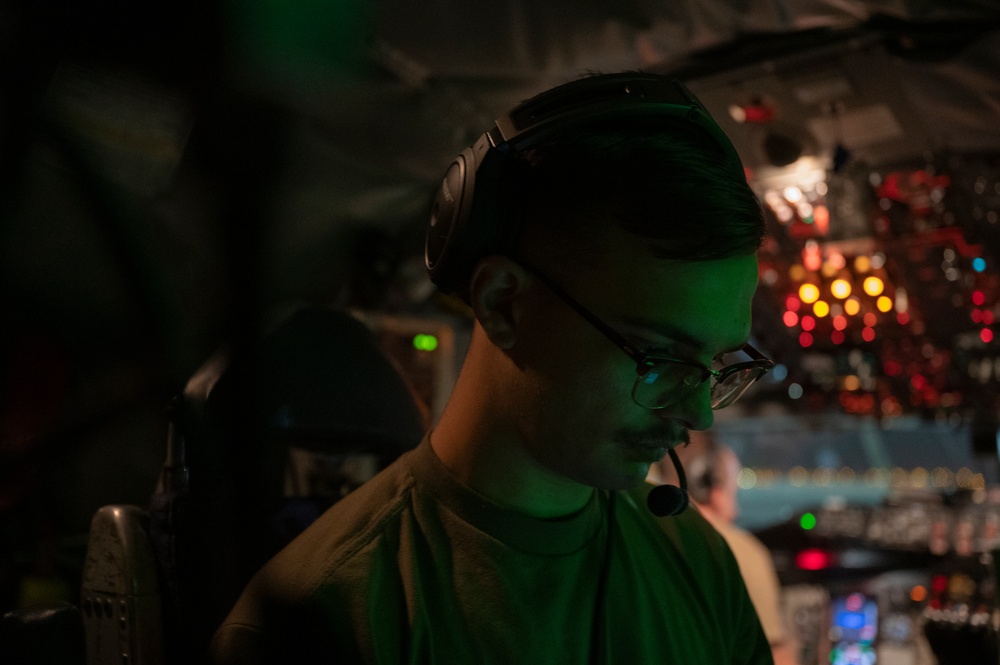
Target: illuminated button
x=424 y=342
x=809 y=293
x=873 y=286
x=813 y=559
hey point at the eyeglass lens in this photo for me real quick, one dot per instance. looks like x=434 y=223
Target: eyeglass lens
x=665 y=383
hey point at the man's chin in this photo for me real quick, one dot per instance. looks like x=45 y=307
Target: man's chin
x=631 y=476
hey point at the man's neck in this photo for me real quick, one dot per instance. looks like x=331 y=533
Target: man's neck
x=492 y=461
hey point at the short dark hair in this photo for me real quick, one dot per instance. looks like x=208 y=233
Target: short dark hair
x=659 y=178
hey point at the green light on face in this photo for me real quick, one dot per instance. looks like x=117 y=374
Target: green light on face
x=807 y=521
x=424 y=342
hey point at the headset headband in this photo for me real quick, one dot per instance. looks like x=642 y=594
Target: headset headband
x=471 y=216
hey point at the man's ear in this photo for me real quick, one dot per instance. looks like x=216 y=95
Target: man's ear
x=496 y=293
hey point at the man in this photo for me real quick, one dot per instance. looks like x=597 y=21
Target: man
x=604 y=235
x=712 y=474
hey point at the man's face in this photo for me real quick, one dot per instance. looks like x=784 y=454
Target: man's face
x=577 y=418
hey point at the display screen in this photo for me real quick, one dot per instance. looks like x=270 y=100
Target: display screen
x=853 y=629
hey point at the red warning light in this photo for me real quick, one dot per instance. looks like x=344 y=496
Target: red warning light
x=813 y=559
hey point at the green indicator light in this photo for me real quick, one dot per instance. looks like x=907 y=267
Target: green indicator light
x=424 y=342
x=807 y=521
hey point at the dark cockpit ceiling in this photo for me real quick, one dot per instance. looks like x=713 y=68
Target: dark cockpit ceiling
x=179 y=170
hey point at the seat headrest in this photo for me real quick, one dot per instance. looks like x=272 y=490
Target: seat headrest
x=318 y=380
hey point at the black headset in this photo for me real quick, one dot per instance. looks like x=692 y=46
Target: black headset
x=475 y=210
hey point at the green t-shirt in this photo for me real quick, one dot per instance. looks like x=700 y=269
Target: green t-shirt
x=413 y=567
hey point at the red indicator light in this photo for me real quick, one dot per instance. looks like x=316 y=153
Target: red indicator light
x=813 y=559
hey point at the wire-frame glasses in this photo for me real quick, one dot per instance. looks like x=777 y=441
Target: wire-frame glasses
x=662 y=380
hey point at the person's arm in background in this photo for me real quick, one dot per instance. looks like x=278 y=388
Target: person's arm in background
x=784 y=653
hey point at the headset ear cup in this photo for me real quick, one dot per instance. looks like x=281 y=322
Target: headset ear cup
x=449 y=217
x=469 y=216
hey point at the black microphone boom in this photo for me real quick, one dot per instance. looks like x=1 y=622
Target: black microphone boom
x=667 y=500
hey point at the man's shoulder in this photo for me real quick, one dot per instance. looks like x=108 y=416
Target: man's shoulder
x=306 y=593
x=367 y=517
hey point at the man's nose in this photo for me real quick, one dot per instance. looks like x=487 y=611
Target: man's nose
x=693 y=409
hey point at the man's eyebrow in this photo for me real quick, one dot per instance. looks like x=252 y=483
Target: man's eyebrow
x=640 y=325
x=673 y=333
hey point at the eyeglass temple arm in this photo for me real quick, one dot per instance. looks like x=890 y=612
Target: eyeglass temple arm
x=617 y=339
x=755 y=354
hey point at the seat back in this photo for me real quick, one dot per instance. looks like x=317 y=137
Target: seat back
x=50 y=634
x=314 y=386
